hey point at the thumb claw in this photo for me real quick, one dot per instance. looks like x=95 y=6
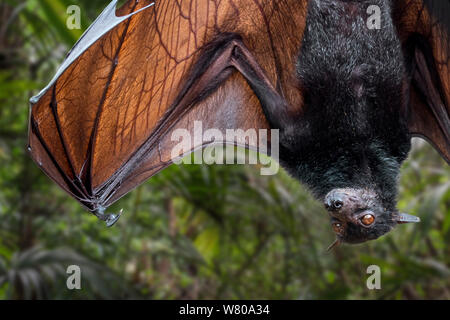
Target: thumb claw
x=110 y=219
x=113 y=218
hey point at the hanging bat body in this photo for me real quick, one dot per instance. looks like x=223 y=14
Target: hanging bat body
x=345 y=96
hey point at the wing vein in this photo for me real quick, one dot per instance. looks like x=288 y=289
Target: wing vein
x=91 y=146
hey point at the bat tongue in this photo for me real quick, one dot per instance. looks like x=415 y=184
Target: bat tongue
x=333 y=245
x=406 y=218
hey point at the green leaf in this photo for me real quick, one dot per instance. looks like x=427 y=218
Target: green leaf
x=206 y=243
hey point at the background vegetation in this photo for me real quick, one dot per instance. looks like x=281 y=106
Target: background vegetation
x=192 y=231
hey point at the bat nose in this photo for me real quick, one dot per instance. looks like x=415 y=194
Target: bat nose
x=334 y=201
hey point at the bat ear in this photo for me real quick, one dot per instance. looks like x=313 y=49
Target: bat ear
x=406 y=218
x=336 y=243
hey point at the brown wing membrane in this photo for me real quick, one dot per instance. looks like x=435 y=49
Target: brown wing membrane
x=105 y=125
x=424 y=27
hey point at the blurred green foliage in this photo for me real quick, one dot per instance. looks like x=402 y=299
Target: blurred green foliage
x=191 y=231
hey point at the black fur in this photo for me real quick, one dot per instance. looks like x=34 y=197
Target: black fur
x=351 y=133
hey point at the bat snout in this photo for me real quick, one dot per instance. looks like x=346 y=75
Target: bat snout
x=357 y=215
x=348 y=201
x=334 y=201
x=340 y=200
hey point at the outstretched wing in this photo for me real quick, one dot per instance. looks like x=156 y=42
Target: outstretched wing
x=424 y=28
x=104 y=124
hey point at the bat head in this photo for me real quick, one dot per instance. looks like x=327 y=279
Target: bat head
x=358 y=215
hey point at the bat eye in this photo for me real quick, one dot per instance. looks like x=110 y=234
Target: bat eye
x=337 y=227
x=367 y=219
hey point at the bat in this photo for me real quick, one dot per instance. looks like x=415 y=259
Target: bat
x=345 y=83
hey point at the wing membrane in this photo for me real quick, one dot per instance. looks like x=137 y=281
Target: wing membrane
x=424 y=27
x=104 y=124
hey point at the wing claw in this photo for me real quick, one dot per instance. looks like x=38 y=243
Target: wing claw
x=110 y=219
